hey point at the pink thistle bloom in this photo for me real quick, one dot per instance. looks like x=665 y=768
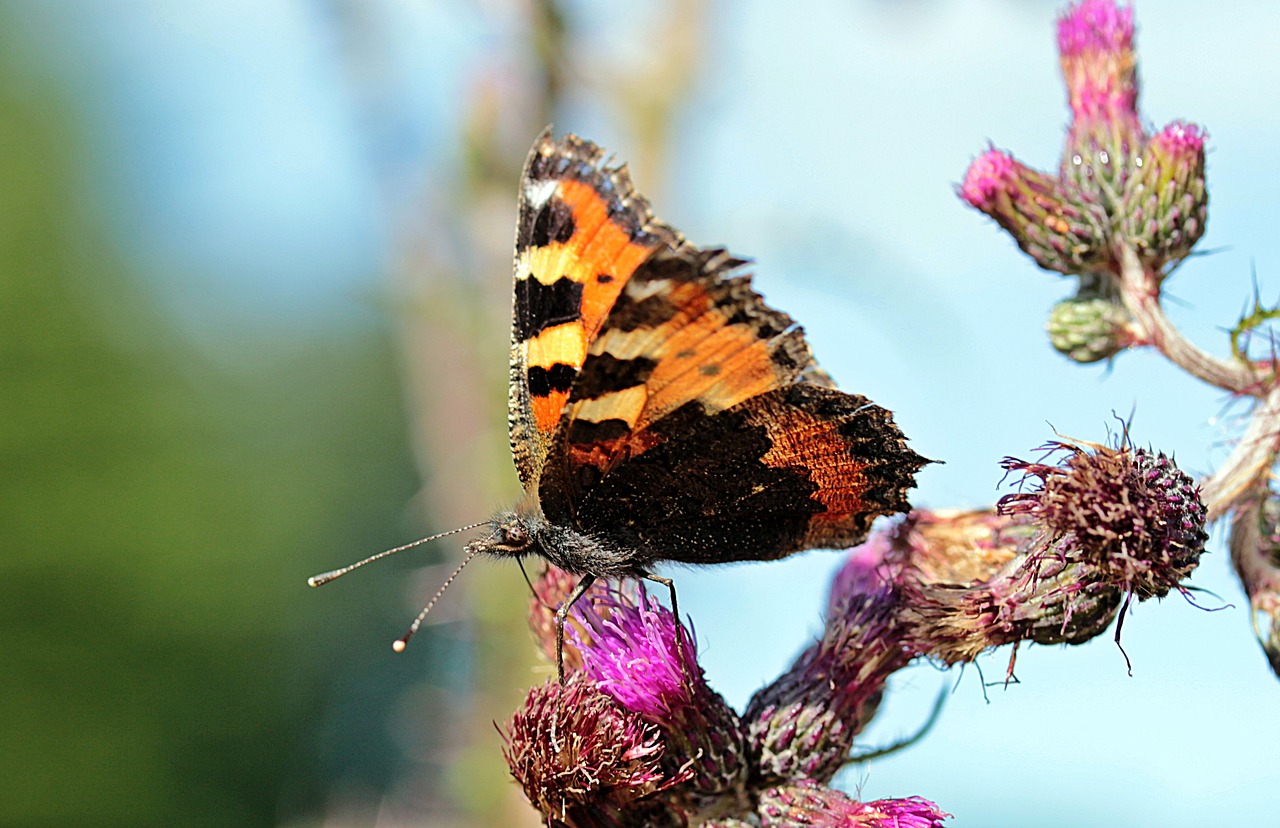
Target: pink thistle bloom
x=1100 y=66
x=550 y=590
x=866 y=568
x=1180 y=138
x=581 y=758
x=988 y=176
x=1095 y=27
x=808 y=803
x=1053 y=224
x=629 y=650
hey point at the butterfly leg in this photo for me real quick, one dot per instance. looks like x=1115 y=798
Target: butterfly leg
x=562 y=613
x=675 y=612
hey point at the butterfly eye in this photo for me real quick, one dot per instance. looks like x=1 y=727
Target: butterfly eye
x=516 y=535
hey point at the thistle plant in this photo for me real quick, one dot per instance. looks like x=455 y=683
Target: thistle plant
x=636 y=735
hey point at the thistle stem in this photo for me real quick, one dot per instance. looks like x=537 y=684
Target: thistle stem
x=1248 y=467
x=1140 y=292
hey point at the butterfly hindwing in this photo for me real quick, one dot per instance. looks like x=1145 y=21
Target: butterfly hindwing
x=795 y=468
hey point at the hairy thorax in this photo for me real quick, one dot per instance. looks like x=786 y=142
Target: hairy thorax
x=523 y=530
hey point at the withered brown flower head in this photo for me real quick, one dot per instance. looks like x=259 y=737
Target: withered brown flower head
x=1131 y=512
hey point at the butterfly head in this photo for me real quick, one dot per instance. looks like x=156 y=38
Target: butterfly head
x=511 y=535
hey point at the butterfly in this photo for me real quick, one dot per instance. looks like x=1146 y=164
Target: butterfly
x=659 y=409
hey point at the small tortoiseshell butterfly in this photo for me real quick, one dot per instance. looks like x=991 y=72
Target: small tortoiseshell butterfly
x=659 y=409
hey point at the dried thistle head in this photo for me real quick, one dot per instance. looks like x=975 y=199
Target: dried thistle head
x=1128 y=511
x=973 y=581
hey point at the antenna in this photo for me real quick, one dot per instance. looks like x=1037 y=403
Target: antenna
x=326 y=577
x=403 y=641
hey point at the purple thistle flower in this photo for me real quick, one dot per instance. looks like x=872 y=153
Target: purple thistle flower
x=629 y=650
x=867 y=567
x=1130 y=513
x=1060 y=230
x=809 y=803
x=550 y=590
x=1099 y=65
x=581 y=758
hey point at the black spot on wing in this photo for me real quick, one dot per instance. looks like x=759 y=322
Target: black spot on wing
x=650 y=312
x=605 y=373
x=553 y=222
x=585 y=432
x=540 y=306
x=544 y=381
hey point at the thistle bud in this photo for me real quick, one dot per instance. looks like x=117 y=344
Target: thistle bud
x=1099 y=65
x=804 y=723
x=584 y=760
x=1088 y=328
x=1128 y=512
x=1255 y=553
x=1166 y=202
x=629 y=649
x=808 y=803
x=1057 y=227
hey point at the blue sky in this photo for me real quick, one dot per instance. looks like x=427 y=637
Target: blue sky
x=245 y=169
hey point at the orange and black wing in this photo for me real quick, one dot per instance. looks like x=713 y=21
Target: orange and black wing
x=657 y=400
x=581 y=233
x=699 y=429
x=798 y=467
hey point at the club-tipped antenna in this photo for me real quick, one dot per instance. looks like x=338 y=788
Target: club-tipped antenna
x=324 y=578
x=403 y=641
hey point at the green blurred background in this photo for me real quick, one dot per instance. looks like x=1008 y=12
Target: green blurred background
x=254 y=298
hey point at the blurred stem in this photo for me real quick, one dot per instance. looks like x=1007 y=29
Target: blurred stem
x=547 y=39
x=1248 y=467
x=1140 y=292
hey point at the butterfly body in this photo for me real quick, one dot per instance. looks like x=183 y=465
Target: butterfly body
x=524 y=531
x=660 y=410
